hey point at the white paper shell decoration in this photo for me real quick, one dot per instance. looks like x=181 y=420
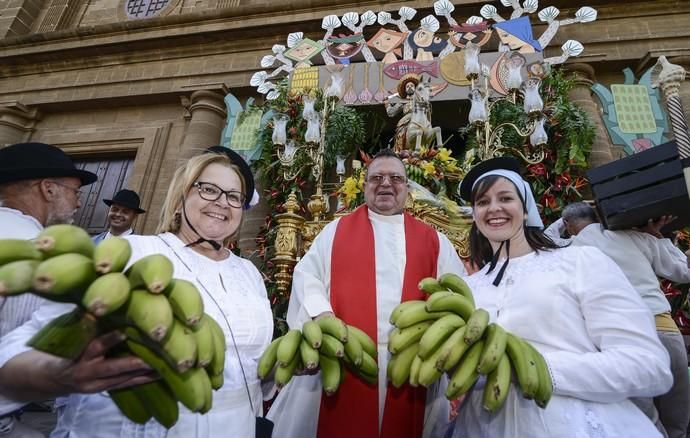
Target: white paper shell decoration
x=430 y=23
x=330 y=22
x=572 y=48
x=384 y=18
x=488 y=11
x=443 y=7
x=549 y=14
x=258 y=78
x=368 y=18
x=273 y=94
x=267 y=61
x=294 y=38
x=350 y=19
x=278 y=48
x=530 y=6
x=506 y=3
x=265 y=87
x=474 y=20
x=586 y=14
x=407 y=13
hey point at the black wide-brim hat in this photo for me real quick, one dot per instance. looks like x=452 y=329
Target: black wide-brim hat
x=507 y=163
x=24 y=161
x=126 y=198
x=244 y=168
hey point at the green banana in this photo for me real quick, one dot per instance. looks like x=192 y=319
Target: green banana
x=62 y=239
x=12 y=250
x=331 y=374
x=497 y=385
x=453 y=303
x=64 y=274
x=414 y=371
x=545 y=389
x=154 y=272
x=217 y=364
x=494 y=347
x=180 y=346
x=208 y=400
x=437 y=333
x=203 y=335
x=525 y=367
x=418 y=314
x=159 y=401
x=67 y=335
x=476 y=324
x=185 y=301
x=112 y=255
x=368 y=344
x=17 y=277
x=437 y=296
x=288 y=347
x=284 y=373
x=399 y=371
x=150 y=313
x=403 y=307
x=106 y=294
x=430 y=285
x=354 y=350
x=268 y=359
x=309 y=355
x=312 y=333
x=130 y=405
x=217 y=381
x=456 y=284
x=331 y=347
x=189 y=388
x=465 y=375
x=369 y=367
x=452 y=350
x=428 y=373
x=334 y=327
x=399 y=339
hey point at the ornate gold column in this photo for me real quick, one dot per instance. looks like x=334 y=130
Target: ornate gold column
x=17 y=122
x=206 y=114
x=286 y=243
x=582 y=95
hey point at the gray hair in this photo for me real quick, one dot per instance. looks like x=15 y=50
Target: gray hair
x=579 y=211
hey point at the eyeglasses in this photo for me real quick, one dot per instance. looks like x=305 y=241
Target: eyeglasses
x=211 y=192
x=76 y=191
x=394 y=179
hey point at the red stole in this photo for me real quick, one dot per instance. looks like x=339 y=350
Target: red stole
x=353 y=410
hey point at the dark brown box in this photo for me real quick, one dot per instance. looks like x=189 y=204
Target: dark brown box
x=645 y=185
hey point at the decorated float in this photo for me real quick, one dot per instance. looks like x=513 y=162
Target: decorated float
x=444 y=91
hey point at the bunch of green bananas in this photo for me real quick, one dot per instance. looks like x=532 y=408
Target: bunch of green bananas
x=445 y=333
x=163 y=318
x=326 y=343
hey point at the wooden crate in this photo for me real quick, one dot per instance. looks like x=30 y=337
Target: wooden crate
x=645 y=185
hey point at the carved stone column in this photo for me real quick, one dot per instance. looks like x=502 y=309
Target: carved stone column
x=17 y=122
x=206 y=114
x=581 y=94
x=684 y=90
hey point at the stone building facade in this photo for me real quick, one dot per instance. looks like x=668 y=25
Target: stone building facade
x=131 y=88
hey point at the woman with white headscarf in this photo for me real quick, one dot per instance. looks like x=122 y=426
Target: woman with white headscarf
x=574 y=305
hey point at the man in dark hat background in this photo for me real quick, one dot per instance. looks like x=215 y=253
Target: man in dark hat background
x=124 y=209
x=39 y=186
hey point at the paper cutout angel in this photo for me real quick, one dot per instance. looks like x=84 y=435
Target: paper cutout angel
x=406 y=13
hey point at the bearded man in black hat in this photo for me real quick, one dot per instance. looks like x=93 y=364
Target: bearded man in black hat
x=39 y=186
x=124 y=209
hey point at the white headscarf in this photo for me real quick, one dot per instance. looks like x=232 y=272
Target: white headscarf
x=525 y=192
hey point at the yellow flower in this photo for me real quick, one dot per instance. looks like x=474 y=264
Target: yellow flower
x=443 y=155
x=350 y=190
x=428 y=168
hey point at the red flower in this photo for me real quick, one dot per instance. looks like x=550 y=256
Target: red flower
x=562 y=180
x=537 y=169
x=549 y=201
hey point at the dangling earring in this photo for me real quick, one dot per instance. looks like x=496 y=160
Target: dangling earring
x=177 y=220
